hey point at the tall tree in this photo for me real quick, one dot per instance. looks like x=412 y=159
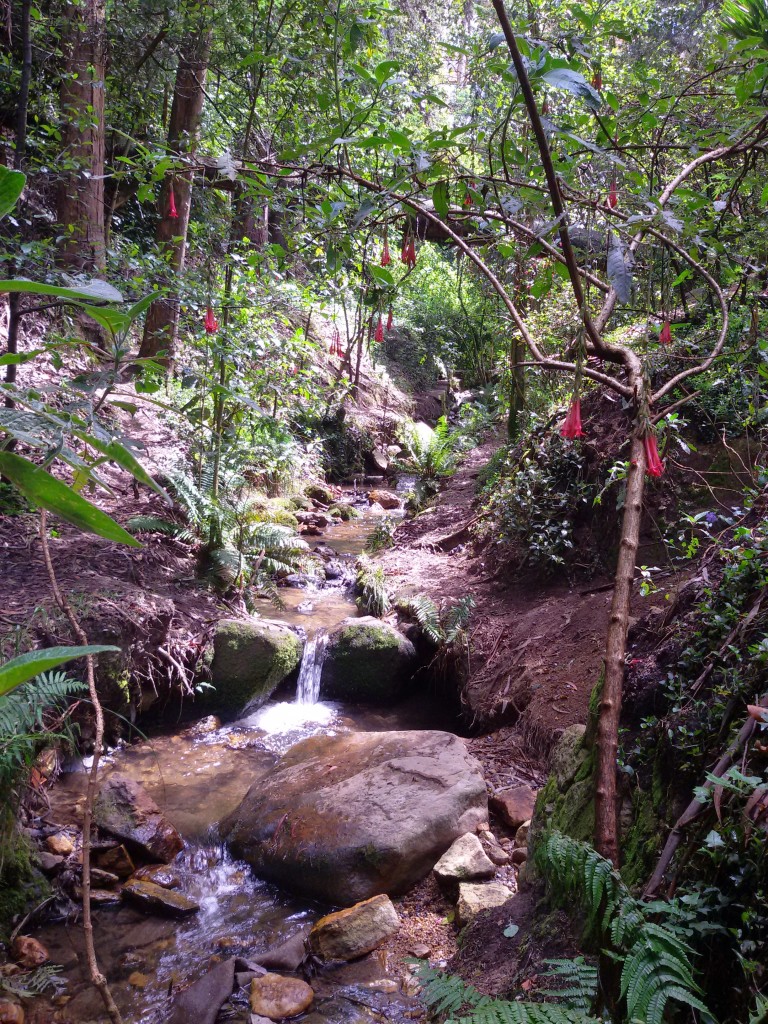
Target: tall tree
x=81 y=192
x=176 y=192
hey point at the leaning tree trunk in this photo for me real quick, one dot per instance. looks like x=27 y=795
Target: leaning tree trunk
x=80 y=206
x=606 y=803
x=160 y=329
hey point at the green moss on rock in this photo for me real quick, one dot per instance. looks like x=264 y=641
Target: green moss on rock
x=250 y=660
x=367 y=661
x=22 y=886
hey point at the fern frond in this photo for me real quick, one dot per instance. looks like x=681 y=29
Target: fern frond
x=426 y=613
x=579 y=982
x=154 y=524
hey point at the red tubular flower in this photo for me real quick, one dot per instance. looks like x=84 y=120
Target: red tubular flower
x=379 y=331
x=597 y=81
x=571 y=428
x=665 y=335
x=386 y=259
x=467 y=199
x=613 y=199
x=412 y=253
x=172 y=211
x=653 y=464
x=404 y=253
x=211 y=323
x=389 y=320
x=545 y=108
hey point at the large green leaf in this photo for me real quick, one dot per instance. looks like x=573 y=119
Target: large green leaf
x=573 y=82
x=11 y=185
x=94 y=289
x=49 y=493
x=18 y=670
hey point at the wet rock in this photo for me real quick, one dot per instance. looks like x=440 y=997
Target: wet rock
x=474 y=897
x=250 y=660
x=60 y=844
x=155 y=899
x=277 y=997
x=50 y=864
x=100 y=897
x=514 y=805
x=342 y=818
x=103 y=878
x=159 y=874
x=464 y=861
x=201 y=1002
x=324 y=550
x=28 y=952
x=344 y=511
x=351 y=933
x=387 y=499
x=317 y=492
x=11 y=1012
x=124 y=810
x=366 y=661
x=117 y=860
x=204 y=727
x=288 y=956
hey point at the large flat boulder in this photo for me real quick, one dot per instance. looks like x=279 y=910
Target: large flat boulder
x=126 y=811
x=367 y=661
x=250 y=660
x=343 y=818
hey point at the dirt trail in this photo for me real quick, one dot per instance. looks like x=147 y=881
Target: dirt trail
x=536 y=645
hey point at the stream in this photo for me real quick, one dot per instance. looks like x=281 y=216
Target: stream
x=199 y=775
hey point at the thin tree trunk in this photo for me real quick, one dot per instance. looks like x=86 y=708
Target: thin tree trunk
x=606 y=803
x=161 y=326
x=81 y=193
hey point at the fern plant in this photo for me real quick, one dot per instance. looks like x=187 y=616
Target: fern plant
x=371 y=588
x=442 y=627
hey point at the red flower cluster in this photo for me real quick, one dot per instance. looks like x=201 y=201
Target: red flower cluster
x=597 y=81
x=336 y=349
x=571 y=428
x=386 y=259
x=665 y=335
x=172 y=211
x=389 y=320
x=408 y=255
x=379 y=331
x=211 y=323
x=653 y=464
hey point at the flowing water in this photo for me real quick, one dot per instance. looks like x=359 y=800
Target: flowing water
x=198 y=776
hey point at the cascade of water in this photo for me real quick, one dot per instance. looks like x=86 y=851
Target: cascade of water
x=308 y=686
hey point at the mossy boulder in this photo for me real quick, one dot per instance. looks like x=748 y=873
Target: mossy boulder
x=250 y=659
x=22 y=885
x=344 y=511
x=367 y=661
x=320 y=493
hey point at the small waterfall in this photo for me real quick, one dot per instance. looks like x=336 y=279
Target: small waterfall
x=308 y=686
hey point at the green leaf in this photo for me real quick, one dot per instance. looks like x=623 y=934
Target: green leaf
x=116 y=452
x=94 y=289
x=11 y=186
x=385 y=70
x=573 y=82
x=440 y=198
x=26 y=666
x=49 y=493
x=16 y=358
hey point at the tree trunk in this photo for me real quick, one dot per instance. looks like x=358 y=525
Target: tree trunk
x=606 y=804
x=160 y=329
x=81 y=193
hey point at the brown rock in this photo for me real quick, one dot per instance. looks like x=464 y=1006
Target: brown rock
x=100 y=897
x=60 y=844
x=277 y=997
x=105 y=879
x=28 y=952
x=50 y=864
x=519 y=856
x=493 y=848
x=154 y=898
x=514 y=805
x=288 y=956
x=118 y=861
x=126 y=811
x=11 y=1012
x=521 y=836
x=474 y=897
x=159 y=874
x=353 y=932
x=420 y=949
x=387 y=499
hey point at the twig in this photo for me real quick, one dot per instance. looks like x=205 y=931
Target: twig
x=25 y=920
x=696 y=806
x=97 y=978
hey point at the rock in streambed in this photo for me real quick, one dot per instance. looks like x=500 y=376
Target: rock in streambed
x=250 y=660
x=366 y=661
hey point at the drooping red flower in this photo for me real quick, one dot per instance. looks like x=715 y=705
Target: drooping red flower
x=386 y=259
x=571 y=428
x=613 y=199
x=665 y=335
x=389 y=319
x=597 y=81
x=412 y=253
x=404 y=253
x=467 y=199
x=653 y=464
x=211 y=323
x=545 y=108
x=335 y=348
x=379 y=331
x=172 y=211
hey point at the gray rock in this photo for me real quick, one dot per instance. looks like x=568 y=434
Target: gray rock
x=464 y=861
x=474 y=897
x=569 y=755
x=202 y=1001
x=342 y=818
x=124 y=810
x=366 y=661
x=288 y=956
x=154 y=898
x=250 y=660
